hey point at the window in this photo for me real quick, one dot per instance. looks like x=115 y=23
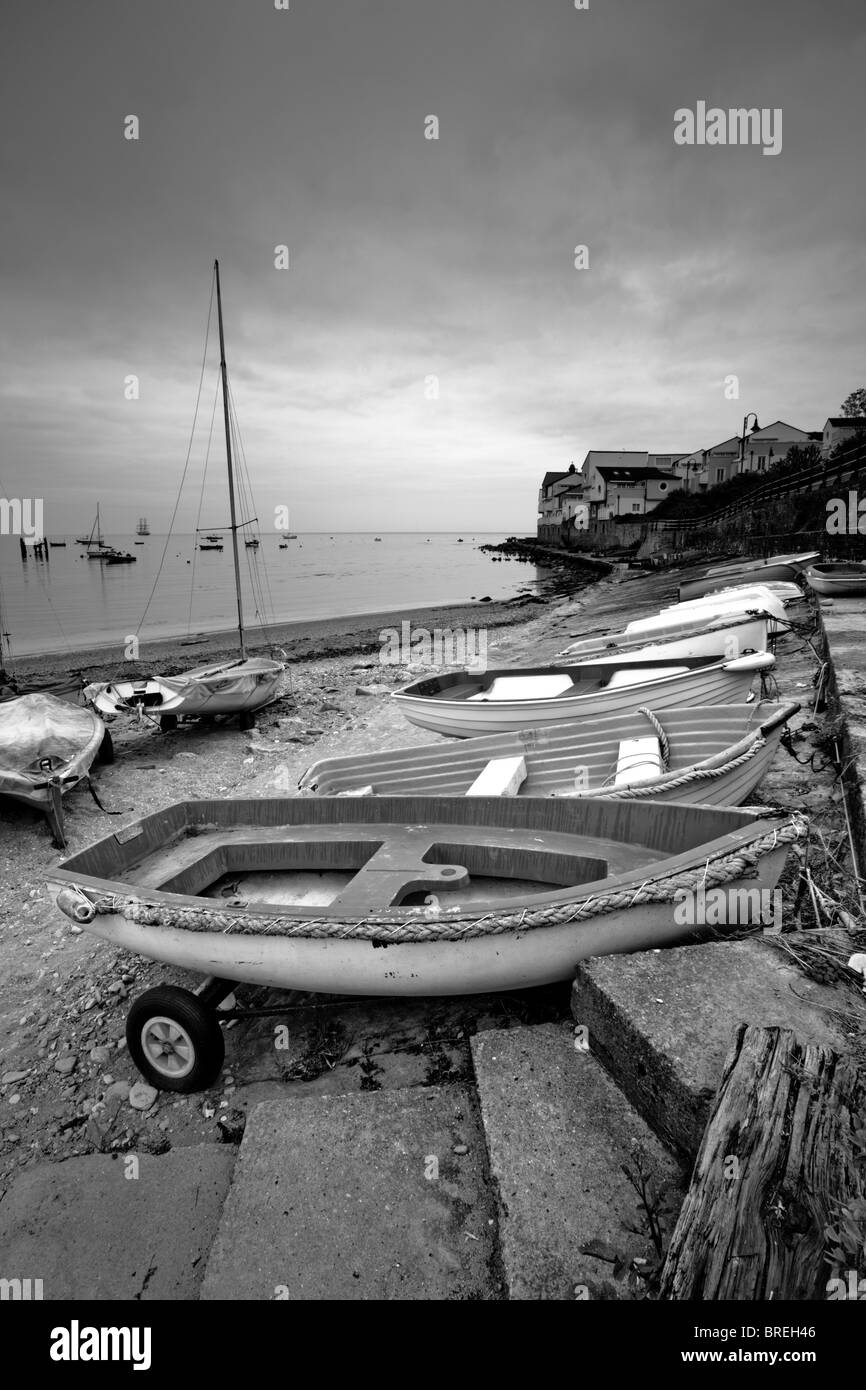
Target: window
x=720 y=475
x=635 y=506
x=663 y=487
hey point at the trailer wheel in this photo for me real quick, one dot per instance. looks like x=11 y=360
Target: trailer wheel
x=246 y=719
x=167 y=722
x=174 y=1039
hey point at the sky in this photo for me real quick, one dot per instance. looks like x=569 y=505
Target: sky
x=432 y=350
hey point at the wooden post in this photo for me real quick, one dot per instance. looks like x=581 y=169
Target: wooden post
x=776 y=1157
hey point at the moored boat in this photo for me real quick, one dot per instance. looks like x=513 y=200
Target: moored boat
x=466 y=703
x=713 y=755
x=398 y=896
x=47 y=747
x=838 y=580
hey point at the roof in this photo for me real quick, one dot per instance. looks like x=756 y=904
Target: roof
x=774 y=425
x=727 y=446
x=553 y=478
x=853 y=420
x=636 y=475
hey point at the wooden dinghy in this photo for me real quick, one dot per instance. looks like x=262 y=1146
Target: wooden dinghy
x=752 y=574
x=398 y=896
x=229 y=687
x=797 y=561
x=708 y=636
x=716 y=608
x=466 y=703
x=714 y=755
x=838 y=580
x=47 y=747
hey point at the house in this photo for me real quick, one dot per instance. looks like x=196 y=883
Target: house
x=722 y=461
x=596 y=459
x=549 y=513
x=632 y=491
x=838 y=429
x=769 y=445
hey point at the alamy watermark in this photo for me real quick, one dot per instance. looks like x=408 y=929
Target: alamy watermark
x=441 y=647
x=737 y=126
x=846 y=516
x=726 y=907
x=22 y=516
x=20 y=1290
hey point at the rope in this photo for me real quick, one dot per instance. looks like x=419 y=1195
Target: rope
x=695 y=774
x=664 y=744
x=724 y=868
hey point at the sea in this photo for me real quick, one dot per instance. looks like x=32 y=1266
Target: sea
x=174 y=589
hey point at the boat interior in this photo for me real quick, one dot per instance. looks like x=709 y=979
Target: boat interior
x=397 y=852
x=553 y=682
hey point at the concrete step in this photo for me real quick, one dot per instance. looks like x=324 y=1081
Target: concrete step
x=558 y=1132
x=359 y=1197
x=661 y=1023
x=124 y=1227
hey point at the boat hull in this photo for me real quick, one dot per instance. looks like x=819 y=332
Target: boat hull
x=40 y=727
x=514 y=960
x=838 y=581
x=578 y=758
x=530 y=887
x=716 y=683
x=757 y=574
x=714 y=637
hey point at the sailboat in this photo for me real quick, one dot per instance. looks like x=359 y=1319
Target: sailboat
x=97 y=549
x=239 y=686
x=142 y=529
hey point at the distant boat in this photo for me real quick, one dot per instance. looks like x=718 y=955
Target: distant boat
x=55 y=545
x=142 y=529
x=96 y=548
x=121 y=558
x=139 y=542
x=213 y=538
x=377 y=538
x=252 y=545
x=209 y=545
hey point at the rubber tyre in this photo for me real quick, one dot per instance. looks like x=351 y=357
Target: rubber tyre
x=106 y=749
x=167 y=722
x=246 y=719
x=196 y=1038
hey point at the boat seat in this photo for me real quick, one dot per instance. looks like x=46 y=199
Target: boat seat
x=501 y=777
x=526 y=687
x=638 y=760
x=620 y=679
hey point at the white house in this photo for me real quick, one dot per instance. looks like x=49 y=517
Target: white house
x=768 y=446
x=839 y=428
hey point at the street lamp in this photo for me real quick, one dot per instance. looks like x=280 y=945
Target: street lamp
x=756 y=426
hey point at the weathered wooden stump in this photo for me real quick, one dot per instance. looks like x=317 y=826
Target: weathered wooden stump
x=776 y=1157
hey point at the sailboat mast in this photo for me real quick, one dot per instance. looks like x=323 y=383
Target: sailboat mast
x=216 y=266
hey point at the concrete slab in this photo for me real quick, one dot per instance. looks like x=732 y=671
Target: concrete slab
x=89 y=1231
x=558 y=1132
x=371 y=1196
x=661 y=1022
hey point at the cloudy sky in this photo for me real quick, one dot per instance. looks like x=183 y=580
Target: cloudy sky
x=412 y=258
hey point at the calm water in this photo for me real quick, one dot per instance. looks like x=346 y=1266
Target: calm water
x=71 y=601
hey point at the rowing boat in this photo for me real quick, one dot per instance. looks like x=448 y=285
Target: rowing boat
x=757 y=573
x=466 y=703
x=47 y=747
x=838 y=580
x=796 y=561
x=713 y=755
x=707 y=636
x=398 y=896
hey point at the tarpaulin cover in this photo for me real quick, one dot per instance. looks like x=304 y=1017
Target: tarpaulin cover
x=34 y=727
